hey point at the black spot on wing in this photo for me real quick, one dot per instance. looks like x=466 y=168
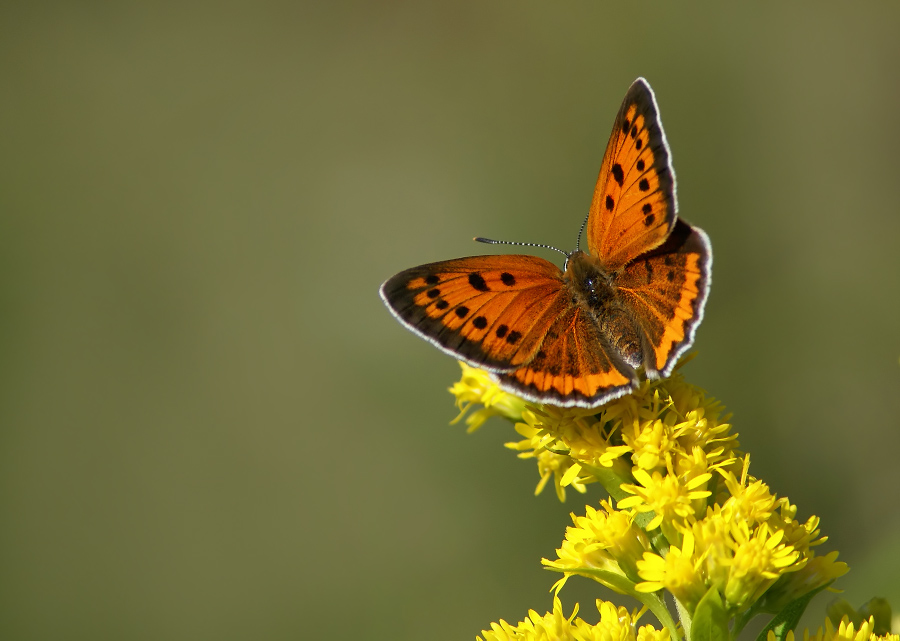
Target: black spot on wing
x=476 y=280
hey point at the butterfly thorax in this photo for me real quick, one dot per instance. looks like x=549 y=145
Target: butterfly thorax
x=591 y=281
x=593 y=288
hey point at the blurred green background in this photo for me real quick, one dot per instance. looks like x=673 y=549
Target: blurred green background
x=212 y=428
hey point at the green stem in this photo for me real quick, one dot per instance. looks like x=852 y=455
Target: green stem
x=610 y=479
x=685 y=618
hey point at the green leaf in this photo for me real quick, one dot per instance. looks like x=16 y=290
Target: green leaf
x=789 y=617
x=710 y=622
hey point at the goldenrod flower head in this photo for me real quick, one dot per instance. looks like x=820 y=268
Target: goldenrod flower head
x=539 y=444
x=740 y=561
x=671 y=499
x=748 y=499
x=802 y=536
x=816 y=572
x=679 y=573
x=476 y=386
x=759 y=559
x=577 y=432
x=689 y=517
x=606 y=540
x=685 y=415
x=551 y=626
x=652 y=444
x=846 y=631
x=616 y=624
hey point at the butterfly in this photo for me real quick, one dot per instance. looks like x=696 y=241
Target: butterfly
x=578 y=336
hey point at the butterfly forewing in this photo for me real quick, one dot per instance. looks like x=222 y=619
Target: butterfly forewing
x=492 y=311
x=666 y=290
x=634 y=206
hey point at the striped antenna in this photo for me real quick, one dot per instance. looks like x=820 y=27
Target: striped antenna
x=488 y=241
x=580 y=232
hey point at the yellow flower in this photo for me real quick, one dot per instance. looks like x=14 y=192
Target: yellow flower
x=668 y=497
x=748 y=499
x=816 y=572
x=477 y=387
x=679 y=573
x=551 y=626
x=579 y=433
x=759 y=559
x=606 y=540
x=651 y=443
x=846 y=631
x=689 y=516
x=538 y=444
x=616 y=624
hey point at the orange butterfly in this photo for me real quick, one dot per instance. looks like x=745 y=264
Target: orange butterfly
x=577 y=336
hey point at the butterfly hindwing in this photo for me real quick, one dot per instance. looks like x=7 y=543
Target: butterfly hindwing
x=666 y=290
x=573 y=366
x=491 y=311
x=634 y=206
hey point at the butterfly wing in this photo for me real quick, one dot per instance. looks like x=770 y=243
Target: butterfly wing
x=491 y=311
x=515 y=316
x=574 y=365
x=634 y=206
x=666 y=290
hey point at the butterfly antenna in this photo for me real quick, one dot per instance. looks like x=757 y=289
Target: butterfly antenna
x=488 y=241
x=580 y=232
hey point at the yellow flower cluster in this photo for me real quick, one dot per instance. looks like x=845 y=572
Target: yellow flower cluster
x=688 y=516
x=477 y=387
x=616 y=624
x=845 y=631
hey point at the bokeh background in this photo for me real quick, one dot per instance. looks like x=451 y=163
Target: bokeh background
x=211 y=428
